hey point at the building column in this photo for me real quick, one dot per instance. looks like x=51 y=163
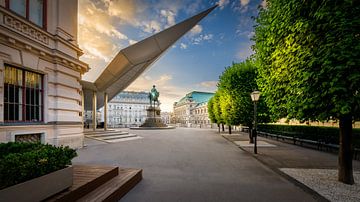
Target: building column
x=105 y=110
x=94 y=111
x=82 y=108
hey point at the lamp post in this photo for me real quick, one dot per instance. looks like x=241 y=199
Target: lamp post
x=255 y=96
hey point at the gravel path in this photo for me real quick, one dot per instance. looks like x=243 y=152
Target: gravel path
x=324 y=181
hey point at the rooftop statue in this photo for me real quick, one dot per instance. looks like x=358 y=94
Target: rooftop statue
x=153 y=96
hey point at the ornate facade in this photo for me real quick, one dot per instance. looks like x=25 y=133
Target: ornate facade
x=40 y=70
x=191 y=110
x=127 y=109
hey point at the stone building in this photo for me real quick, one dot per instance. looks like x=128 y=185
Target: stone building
x=166 y=117
x=191 y=110
x=200 y=114
x=127 y=109
x=40 y=72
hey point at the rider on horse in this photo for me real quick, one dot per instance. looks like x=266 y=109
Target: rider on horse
x=153 y=96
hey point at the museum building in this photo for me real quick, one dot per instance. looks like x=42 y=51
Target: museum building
x=40 y=72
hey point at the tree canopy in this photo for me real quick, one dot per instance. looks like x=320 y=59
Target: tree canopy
x=235 y=84
x=309 y=56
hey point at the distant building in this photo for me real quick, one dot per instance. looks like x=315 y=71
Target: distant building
x=166 y=117
x=127 y=109
x=191 y=110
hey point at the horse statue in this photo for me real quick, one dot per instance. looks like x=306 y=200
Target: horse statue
x=153 y=96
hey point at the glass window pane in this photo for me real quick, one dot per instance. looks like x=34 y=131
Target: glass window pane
x=28 y=113
x=36 y=12
x=11 y=112
x=6 y=93
x=6 y=111
x=11 y=94
x=22 y=103
x=18 y=6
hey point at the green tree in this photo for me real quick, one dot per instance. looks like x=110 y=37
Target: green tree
x=309 y=56
x=217 y=109
x=212 y=113
x=236 y=83
x=227 y=109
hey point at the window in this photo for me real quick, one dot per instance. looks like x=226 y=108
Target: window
x=33 y=10
x=18 y=7
x=23 y=94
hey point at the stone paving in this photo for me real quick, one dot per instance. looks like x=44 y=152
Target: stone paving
x=313 y=170
x=192 y=165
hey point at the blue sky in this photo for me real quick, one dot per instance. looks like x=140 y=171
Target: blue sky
x=193 y=63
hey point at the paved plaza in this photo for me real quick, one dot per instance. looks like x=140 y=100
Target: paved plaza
x=192 y=165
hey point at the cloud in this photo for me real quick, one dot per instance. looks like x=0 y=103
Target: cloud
x=193 y=7
x=209 y=84
x=91 y=17
x=152 y=27
x=197 y=29
x=126 y=10
x=183 y=46
x=170 y=17
x=202 y=37
x=247 y=34
x=244 y=2
x=98 y=35
x=223 y=3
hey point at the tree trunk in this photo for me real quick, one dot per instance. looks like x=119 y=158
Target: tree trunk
x=229 y=129
x=345 y=174
x=251 y=140
x=219 y=127
x=223 y=128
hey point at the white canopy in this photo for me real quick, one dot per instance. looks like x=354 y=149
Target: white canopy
x=130 y=62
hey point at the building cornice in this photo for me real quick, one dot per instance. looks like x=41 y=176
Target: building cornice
x=19 y=33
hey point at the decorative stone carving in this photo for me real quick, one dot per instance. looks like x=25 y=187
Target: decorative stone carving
x=25 y=29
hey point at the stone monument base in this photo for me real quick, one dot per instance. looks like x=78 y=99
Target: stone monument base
x=153 y=120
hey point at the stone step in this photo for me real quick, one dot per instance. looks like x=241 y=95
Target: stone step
x=108 y=134
x=123 y=139
x=100 y=132
x=118 y=137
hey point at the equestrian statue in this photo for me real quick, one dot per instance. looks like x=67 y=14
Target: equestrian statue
x=153 y=96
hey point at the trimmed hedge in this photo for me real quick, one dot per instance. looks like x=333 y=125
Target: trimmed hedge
x=329 y=135
x=20 y=162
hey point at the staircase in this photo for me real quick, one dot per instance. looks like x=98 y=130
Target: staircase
x=110 y=136
x=99 y=183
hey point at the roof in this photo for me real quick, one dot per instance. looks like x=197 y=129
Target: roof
x=130 y=62
x=195 y=96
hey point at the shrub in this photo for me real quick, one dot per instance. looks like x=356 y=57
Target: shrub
x=20 y=162
x=329 y=135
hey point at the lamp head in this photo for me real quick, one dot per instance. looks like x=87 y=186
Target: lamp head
x=255 y=96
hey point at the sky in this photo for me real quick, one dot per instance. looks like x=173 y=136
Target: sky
x=194 y=63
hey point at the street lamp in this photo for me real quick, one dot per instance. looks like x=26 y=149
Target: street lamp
x=255 y=96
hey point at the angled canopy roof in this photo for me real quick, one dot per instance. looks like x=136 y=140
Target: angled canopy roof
x=130 y=62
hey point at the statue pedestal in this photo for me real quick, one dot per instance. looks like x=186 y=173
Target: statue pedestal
x=153 y=118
